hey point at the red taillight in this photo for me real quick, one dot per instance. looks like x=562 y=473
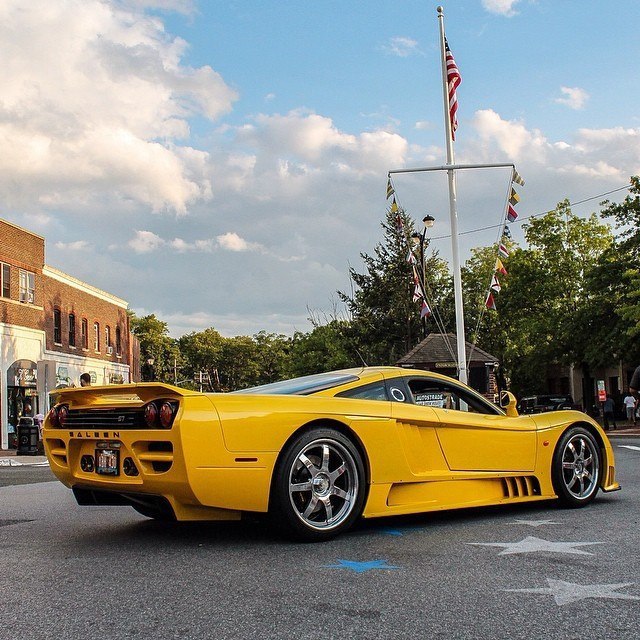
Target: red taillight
x=166 y=414
x=151 y=415
x=53 y=418
x=63 y=414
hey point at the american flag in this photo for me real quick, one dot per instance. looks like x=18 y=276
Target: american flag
x=453 y=80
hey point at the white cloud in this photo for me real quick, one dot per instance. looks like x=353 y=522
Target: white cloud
x=96 y=100
x=501 y=7
x=300 y=142
x=510 y=136
x=78 y=245
x=574 y=97
x=401 y=46
x=145 y=242
x=233 y=242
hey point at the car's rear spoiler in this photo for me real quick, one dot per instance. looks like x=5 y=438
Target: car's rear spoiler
x=121 y=394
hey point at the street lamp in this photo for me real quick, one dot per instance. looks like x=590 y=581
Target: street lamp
x=419 y=240
x=150 y=362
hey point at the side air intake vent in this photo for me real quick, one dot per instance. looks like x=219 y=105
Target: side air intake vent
x=520 y=487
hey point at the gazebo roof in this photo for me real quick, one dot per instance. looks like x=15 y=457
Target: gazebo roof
x=438 y=347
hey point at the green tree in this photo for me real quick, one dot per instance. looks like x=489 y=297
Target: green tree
x=544 y=293
x=239 y=366
x=272 y=356
x=325 y=348
x=201 y=352
x=159 y=352
x=384 y=320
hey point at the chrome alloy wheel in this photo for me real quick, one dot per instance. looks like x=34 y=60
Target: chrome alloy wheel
x=323 y=484
x=580 y=467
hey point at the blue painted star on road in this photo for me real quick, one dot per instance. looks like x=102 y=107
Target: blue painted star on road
x=361 y=567
x=533 y=545
x=568 y=592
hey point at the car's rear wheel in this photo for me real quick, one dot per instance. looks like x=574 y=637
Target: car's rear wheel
x=576 y=468
x=319 y=486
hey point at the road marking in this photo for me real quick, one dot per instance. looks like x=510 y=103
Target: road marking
x=534 y=545
x=568 y=592
x=628 y=446
x=361 y=567
x=534 y=523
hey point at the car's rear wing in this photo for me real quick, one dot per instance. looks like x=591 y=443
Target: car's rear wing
x=118 y=395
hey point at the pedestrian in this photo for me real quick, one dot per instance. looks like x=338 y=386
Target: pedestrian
x=39 y=419
x=634 y=384
x=609 y=411
x=630 y=404
x=85 y=380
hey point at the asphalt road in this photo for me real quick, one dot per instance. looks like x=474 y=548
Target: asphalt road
x=529 y=572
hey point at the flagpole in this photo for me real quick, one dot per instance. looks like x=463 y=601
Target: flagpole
x=457 y=276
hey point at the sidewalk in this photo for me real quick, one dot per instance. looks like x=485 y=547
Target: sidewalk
x=9 y=458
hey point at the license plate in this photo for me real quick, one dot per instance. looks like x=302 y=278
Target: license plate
x=107 y=462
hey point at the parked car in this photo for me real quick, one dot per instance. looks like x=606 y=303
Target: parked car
x=321 y=451
x=543 y=403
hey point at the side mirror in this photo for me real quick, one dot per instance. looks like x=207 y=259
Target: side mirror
x=508 y=403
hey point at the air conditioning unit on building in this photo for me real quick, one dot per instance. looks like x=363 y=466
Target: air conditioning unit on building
x=109 y=350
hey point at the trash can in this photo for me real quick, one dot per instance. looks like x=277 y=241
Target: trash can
x=28 y=436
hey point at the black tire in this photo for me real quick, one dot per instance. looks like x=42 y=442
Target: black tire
x=576 y=468
x=319 y=486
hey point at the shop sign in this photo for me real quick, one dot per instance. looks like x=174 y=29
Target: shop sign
x=602 y=394
x=62 y=376
x=26 y=377
x=94 y=377
x=446 y=365
x=116 y=378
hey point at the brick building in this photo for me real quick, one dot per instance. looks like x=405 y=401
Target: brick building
x=53 y=328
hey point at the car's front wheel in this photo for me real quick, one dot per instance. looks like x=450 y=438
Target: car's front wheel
x=576 y=467
x=319 y=486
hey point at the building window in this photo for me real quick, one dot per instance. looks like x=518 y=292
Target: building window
x=27 y=286
x=5 y=277
x=85 y=333
x=118 y=341
x=72 y=330
x=96 y=336
x=107 y=339
x=57 y=326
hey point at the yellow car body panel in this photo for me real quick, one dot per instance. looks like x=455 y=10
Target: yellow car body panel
x=220 y=455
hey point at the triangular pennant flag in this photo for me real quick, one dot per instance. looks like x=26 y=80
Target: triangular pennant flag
x=425 y=311
x=512 y=215
x=411 y=259
x=417 y=293
x=514 y=198
x=517 y=178
x=490 y=303
x=506 y=232
x=503 y=251
x=500 y=267
x=394 y=206
x=495 y=284
x=390 y=189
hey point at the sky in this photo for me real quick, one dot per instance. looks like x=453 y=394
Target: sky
x=224 y=164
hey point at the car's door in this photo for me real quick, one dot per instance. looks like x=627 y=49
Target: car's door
x=473 y=435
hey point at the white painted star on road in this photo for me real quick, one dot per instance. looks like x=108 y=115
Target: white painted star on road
x=533 y=545
x=534 y=523
x=568 y=592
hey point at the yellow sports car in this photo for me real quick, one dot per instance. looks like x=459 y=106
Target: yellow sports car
x=319 y=452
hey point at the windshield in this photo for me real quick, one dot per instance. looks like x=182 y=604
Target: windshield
x=302 y=386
